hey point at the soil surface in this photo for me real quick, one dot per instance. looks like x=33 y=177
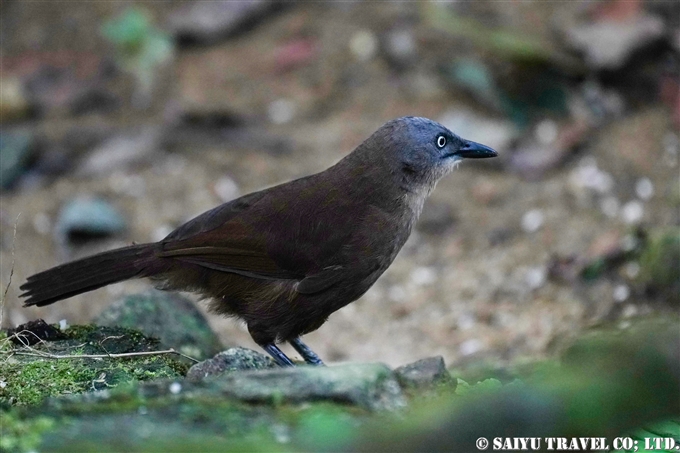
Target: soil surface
x=471 y=284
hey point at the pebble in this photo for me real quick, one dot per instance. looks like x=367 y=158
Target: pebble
x=621 y=293
x=226 y=189
x=90 y=217
x=546 y=132
x=632 y=212
x=281 y=111
x=535 y=277
x=41 y=223
x=363 y=45
x=422 y=276
x=632 y=269
x=610 y=206
x=644 y=189
x=175 y=388
x=470 y=346
x=532 y=220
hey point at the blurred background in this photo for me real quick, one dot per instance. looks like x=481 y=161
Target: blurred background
x=122 y=120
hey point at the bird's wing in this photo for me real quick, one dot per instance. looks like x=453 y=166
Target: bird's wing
x=218 y=240
x=320 y=281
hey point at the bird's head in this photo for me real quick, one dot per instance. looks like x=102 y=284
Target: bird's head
x=420 y=151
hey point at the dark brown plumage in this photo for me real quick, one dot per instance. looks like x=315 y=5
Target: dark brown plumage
x=284 y=258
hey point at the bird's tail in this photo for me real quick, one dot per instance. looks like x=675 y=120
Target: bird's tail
x=90 y=273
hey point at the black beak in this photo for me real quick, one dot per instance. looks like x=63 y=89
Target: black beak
x=474 y=150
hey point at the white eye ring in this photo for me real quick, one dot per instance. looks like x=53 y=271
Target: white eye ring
x=441 y=142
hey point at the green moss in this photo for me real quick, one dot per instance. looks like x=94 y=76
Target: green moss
x=27 y=378
x=660 y=265
x=17 y=434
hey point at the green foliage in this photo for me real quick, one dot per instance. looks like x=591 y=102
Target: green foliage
x=485 y=386
x=140 y=47
x=660 y=265
x=17 y=434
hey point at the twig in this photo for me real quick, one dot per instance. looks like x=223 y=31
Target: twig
x=11 y=271
x=47 y=355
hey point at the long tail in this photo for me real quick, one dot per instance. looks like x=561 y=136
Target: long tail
x=90 y=273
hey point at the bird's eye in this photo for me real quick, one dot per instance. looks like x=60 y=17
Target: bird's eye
x=441 y=141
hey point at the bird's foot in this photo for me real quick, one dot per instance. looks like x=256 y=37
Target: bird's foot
x=279 y=357
x=306 y=353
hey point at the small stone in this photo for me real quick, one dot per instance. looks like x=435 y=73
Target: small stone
x=175 y=388
x=210 y=22
x=621 y=293
x=632 y=212
x=226 y=188
x=422 y=276
x=470 y=346
x=281 y=111
x=632 y=269
x=424 y=373
x=400 y=47
x=644 y=189
x=14 y=102
x=535 y=277
x=85 y=218
x=610 y=206
x=532 y=220
x=546 y=132
x=121 y=152
x=42 y=223
x=608 y=44
x=231 y=360
x=363 y=45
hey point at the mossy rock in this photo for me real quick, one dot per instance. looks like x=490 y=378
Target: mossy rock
x=54 y=368
x=170 y=317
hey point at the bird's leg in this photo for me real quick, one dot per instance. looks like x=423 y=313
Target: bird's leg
x=306 y=353
x=279 y=357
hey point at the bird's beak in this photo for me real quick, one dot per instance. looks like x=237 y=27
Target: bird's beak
x=475 y=150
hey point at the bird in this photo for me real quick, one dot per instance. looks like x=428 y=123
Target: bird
x=284 y=258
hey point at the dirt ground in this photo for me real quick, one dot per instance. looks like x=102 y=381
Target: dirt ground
x=471 y=284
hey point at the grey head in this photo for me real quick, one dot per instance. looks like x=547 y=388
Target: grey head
x=419 y=151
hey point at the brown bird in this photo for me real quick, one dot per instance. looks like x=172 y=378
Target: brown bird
x=284 y=258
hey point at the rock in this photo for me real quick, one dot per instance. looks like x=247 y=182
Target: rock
x=534 y=157
x=233 y=359
x=74 y=86
x=172 y=318
x=34 y=332
x=14 y=103
x=400 y=47
x=86 y=218
x=424 y=373
x=372 y=386
x=607 y=44
x=16 y=150
x=209 y=22
x=122 y=152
